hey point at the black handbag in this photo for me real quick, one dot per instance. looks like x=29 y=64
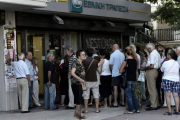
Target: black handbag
x=124 y=78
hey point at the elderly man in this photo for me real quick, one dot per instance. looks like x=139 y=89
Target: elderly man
x=70 y=53
x=178 y=60
x=31 y=70
x=116 y=60
x=153 y=64
x=49 y=83
x=23 y=81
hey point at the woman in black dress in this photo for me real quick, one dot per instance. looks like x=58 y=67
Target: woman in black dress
x=63 y=72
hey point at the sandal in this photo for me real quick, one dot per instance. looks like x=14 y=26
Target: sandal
x=81 y=117
x=85 y=111
x=90 y=104
x=137 y=111
x=75 y=115
x=176 y=113
x=114 y=105
x=168 y=113
x=128 y=112
x=98 y=111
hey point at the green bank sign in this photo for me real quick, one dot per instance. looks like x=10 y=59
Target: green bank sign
x=96 y=5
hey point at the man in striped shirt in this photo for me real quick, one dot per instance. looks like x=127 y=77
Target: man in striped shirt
x=70 y=53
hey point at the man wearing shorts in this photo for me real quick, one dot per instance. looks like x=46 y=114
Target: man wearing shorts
x=91 y=80
x=116 y=60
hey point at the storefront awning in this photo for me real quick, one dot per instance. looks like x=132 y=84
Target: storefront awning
x=19 y=5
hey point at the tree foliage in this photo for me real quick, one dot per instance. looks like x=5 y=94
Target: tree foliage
x=168 y=11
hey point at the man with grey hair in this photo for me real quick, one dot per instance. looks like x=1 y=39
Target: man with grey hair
x=153 y=64
x=178 y=60
x=70 y=53
x=49 y=83
x=23 y=81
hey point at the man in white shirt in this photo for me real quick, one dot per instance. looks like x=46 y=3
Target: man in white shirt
x=153 y=64
x=31 y=71
x=23 y=81
x=178 y=60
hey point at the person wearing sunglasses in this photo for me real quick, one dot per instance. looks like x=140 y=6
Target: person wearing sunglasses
x=160 y=51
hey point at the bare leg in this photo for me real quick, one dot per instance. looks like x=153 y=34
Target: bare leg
x=115 y=95
x=105 y=102
x=176 y=99
x=77 y=110
x=86 y=104
x=168 y=101
x=110 y=99
x=62 y=98
x=97 y=103
x=92 y=97
x=122 y=96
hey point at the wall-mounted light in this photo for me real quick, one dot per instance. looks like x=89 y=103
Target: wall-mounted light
x=58 y=20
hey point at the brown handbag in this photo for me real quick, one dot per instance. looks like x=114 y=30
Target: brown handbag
x=84 y=87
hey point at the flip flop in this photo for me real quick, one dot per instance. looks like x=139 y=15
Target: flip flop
x=114 y=106
x=137 y=111
x=128 y=112
x=85 y=111
x=81 y=117
x=90 y=104
x=98 y=111
x=176 y=113
x=168 y=113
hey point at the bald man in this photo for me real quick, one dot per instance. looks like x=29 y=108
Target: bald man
x=116 y=60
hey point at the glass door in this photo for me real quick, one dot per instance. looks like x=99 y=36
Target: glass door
x=36 y=46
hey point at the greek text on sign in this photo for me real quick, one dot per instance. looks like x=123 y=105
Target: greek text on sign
x=104 y=6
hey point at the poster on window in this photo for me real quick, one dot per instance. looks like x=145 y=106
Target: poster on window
x=10 y=51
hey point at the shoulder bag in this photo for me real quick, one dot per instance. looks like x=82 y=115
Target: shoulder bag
x=84 y=87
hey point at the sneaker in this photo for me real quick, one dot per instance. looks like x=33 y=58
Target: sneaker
x=38 y=105
x=61 y=104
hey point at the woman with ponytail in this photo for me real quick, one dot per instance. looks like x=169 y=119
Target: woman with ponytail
x=131 y=66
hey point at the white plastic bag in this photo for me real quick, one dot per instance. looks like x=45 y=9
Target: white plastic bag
x=141 y=77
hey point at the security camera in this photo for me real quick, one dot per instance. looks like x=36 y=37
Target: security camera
x=58 y=20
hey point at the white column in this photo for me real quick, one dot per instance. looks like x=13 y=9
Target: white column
x=8 y=100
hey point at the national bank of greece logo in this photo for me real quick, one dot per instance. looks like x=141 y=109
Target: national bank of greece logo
x=76 y=5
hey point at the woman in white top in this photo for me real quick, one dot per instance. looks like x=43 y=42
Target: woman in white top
x=35 y=83
x=106 y=79
x=171 y=80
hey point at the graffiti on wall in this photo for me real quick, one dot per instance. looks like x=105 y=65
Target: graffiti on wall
x=100 y=43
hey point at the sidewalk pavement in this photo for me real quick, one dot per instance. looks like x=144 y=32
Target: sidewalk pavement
x=106 y=114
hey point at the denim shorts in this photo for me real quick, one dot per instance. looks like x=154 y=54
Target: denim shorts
x=170 y=86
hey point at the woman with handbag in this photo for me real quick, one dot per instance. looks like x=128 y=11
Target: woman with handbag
x=78 y=73
x=171 y=80
x=131 y=66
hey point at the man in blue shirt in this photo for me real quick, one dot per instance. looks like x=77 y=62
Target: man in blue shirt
x=31 y=70
x=116 y=60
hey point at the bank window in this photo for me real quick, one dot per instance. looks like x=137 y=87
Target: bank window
x=21 y=41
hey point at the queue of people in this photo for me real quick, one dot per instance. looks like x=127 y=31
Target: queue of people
x=102 y=74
